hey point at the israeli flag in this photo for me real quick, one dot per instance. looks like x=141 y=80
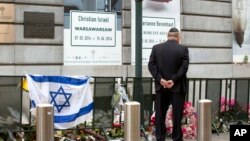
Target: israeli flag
x=71 y=96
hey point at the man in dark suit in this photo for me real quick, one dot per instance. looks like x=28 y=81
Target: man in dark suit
x=168 y=64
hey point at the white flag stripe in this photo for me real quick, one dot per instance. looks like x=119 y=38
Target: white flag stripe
x=71 y=97
x=76 y=122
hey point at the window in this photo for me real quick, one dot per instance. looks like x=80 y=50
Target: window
x=93 y=5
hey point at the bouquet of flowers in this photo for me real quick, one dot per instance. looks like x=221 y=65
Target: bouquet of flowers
x=229 y=109
x=189 y=124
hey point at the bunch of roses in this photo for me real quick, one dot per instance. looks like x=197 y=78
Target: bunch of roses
x=189 y=128
x=228 y=109
x=225 y=105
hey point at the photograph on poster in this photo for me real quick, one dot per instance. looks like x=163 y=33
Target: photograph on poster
x=158 y=17
x=241 y=31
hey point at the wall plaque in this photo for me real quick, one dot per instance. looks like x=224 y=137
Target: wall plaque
x=7 y=12
x=38 y=25
x=6 y=33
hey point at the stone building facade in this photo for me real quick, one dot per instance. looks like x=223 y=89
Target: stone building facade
x=206 y=27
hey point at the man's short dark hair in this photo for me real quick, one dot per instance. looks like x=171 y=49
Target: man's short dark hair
x=173 y=33
x=173 y=29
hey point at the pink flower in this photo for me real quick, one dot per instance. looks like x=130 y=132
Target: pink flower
x=169 y=129
x=187 y=105
x=222 y=100
x=189 y=130
x=152 y=119
x=223 y=108
x=184 y=130
x=225 y=105
x=231 y=102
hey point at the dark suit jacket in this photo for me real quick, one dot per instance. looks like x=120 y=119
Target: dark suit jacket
x=169 y=60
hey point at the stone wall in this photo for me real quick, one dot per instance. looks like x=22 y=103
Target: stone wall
x=205 y=25
x=34 y=55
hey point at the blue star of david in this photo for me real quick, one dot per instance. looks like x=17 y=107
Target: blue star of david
x=61 y=101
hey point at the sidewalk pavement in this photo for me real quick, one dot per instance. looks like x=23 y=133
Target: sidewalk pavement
x=215 y=137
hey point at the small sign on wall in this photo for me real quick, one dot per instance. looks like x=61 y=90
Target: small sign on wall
x=7 y=12
x=39 y=25
x=6 y=33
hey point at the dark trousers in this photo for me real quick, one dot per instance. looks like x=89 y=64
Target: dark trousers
x=162 y=101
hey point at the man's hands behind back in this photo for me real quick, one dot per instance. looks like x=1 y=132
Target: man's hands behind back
x=167 y=83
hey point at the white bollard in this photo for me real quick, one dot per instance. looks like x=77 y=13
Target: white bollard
x=132 y=121
x=44 y=122
x=204 y=120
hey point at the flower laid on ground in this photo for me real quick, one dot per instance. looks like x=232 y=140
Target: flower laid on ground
x=189 y=124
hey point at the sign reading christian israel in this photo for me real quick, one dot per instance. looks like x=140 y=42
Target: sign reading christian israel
x=86 y=29
x=92 y=39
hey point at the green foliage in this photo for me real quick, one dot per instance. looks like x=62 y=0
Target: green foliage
x=3 y=136
x=116 y=132
x=30 y=135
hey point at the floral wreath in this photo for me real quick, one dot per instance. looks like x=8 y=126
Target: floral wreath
x=189 y=121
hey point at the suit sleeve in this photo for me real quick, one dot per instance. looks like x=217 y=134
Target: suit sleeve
x=152 y=66
x=183 y=67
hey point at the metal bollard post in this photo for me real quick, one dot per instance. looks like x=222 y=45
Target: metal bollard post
x=132 y=121
x=44 y=122
x=204 y=120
